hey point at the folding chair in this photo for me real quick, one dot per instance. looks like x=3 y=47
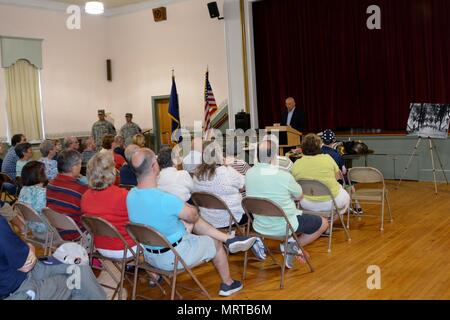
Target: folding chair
x=317 y=188
x=267 y=208
x=30 y=215
x=211 y=201
x=148 y=236
x=99 y=227
x=4 y=194
x=363 y=175
x=60 y=221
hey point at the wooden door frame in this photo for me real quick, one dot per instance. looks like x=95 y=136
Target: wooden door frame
x=155 y=114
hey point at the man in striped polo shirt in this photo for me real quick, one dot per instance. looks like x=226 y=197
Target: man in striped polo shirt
x=65 y=191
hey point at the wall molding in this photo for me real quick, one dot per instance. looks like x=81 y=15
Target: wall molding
x=62 y=7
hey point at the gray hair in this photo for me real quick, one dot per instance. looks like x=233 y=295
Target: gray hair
x=68 y=141
x=101 y=171
x=129 y=151
x=67 y=160
x=46 y=147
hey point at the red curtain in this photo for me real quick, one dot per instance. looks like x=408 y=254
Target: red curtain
x=344 y=75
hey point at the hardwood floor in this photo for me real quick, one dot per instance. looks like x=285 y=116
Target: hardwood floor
x=412 y=254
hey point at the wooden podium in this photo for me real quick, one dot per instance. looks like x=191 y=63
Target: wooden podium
x=289 y=137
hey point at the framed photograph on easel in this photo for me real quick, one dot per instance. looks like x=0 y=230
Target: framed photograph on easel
x=429 y=120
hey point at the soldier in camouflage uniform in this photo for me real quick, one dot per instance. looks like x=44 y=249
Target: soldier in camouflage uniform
x=129 y=129
x=102 y=128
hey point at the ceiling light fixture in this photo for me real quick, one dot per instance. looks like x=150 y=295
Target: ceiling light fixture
x=94 y=7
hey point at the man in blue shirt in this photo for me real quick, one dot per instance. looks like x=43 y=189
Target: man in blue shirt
x=328 y=138
x=24 y=277
x=176 y=220
x=10 y=160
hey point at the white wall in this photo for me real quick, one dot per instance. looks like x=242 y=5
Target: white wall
x=144 y=52
x=73 y=77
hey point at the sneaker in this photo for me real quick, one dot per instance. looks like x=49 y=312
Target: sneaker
x=259 y=250
x=154 y=282
x=292 y=252
x=240 y=243
x=228 y=290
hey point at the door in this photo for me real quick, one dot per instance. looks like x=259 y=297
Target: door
x=165 y=122
x=162 y=123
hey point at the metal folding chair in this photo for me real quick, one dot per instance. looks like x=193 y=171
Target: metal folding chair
x=61 y=222
x=363 y=175
x=4 y=194
x=265 y=207
x=148 y=236
x=317 y=188
x=99 y=227
x=30 y=215
x=211 y=201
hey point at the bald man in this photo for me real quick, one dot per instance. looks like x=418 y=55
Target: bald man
x=195 y=240
x=293 y=116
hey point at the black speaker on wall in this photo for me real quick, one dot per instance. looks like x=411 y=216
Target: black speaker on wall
x=214 y=10
x=108 y=70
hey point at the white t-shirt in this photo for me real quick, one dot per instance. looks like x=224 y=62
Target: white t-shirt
x=176 y=182
x=225 y=184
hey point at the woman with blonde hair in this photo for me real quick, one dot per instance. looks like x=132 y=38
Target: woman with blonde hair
x=107 y=201
x=139 y=140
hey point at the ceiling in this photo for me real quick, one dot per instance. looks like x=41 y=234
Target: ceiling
x=109 y=4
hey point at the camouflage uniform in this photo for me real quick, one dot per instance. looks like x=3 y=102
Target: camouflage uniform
x=100 y=129
x=128 y=131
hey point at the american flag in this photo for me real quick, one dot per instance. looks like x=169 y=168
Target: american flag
x=210 y=104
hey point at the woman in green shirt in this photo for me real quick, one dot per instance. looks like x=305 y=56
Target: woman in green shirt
x=317 y=166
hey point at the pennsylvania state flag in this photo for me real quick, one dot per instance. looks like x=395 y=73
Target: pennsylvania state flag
x=174 y=111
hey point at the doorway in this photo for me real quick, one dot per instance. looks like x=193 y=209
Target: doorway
x=162 y=122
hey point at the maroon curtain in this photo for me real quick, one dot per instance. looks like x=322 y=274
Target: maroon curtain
x=344 y=75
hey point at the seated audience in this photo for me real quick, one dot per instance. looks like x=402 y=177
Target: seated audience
x=224 y=182
x=107 y=201
x=328 y=139
x=127 y=176
x=58 y=147
x=171 y=180
x=139 y=139
x=48 y=151
x=232 y=160
x=89 y=150
x=165 y=212
x=118 y=146
x=24 y=277
x=71 y=143
x=65 y=191
x=194 y=158
x=265 y=180
x=107 y=144
x=317 y=166
x=33 y=193
x=24 y=152
x=10 y=160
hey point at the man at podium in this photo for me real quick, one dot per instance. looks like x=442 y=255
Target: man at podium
x=293 y=116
